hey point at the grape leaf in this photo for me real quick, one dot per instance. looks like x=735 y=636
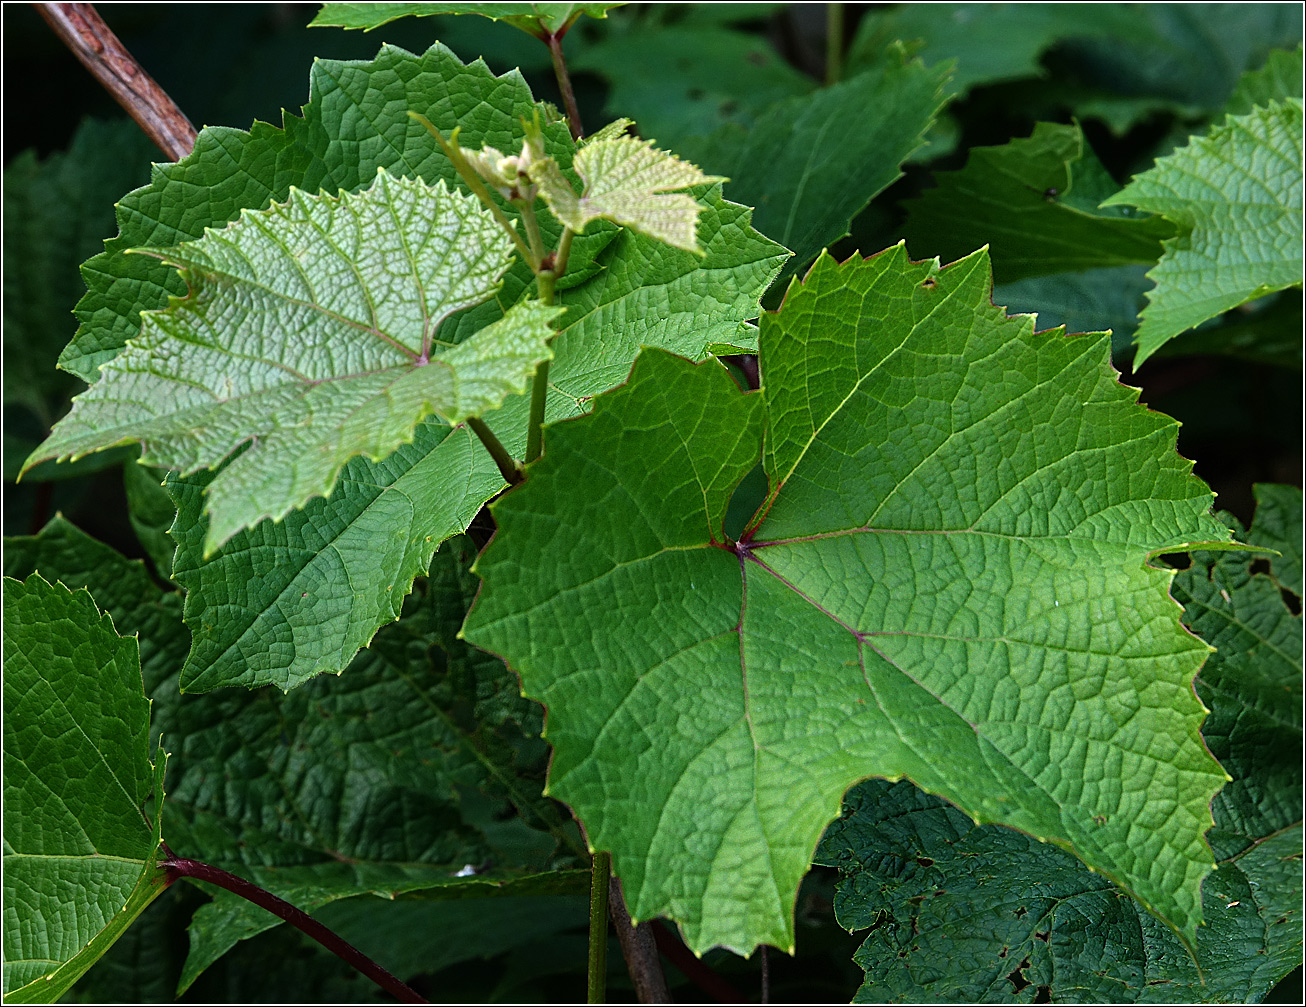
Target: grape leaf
x=960 y=912
x=312 y=333
x=79 y=846
x=534 y=18
x=934 y=589
x=1034 y=201
x=1236 y=196
x=805 y=173
x=630 y=182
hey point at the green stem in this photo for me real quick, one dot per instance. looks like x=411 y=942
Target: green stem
x=833 y=42
x=600 y=873
x=554 y=42
x=533 y=233
x=539 y=395
x=468 y=174
x=508 y=467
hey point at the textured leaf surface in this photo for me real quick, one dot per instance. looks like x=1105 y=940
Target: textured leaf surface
x=960 y=912
x=805 y=173
x=79 y=852
x=312 y=333
x=529 y=17
x=947 y=583
x=1034 y=202
x=1236 y=196
x=630 y=182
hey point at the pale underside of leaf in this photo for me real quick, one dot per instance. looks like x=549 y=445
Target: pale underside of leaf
x=312 y=334
x=628 y=181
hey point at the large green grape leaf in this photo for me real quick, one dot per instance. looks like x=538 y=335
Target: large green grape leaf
x=949 y=582
x=1034 y=201
x=1236 y=196
x=312 y=334
x=804 y=172
x=529 y=17
x=79 y=789
x=959 y=912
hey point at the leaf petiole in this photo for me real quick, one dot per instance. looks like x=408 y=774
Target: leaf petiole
x=508 y=467
x=473 y=181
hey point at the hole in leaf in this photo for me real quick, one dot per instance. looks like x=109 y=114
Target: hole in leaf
x=1044 y=935
x=1290 y=601
x=925 y=861
x=1260 y=565
x=1021 y=912
x=1044 y=995
x=1016 y=978
x=1176 y=560
x=1003 y=952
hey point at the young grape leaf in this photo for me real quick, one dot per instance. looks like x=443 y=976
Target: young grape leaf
x=948 y=581
x=79 y=789
x=805 y=172
x=312 y=334
x=627 y=181
x=960 y=912
x=1034 y=201
x=1236 y=196
x=534 y=18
